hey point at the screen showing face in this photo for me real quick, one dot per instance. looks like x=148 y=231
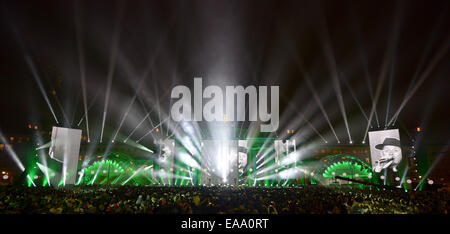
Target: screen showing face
x=385 y=150
x=242 y=155
x=167 y=150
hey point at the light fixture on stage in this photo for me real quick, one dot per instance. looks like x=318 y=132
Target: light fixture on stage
x=45 y=170
x=31 y=180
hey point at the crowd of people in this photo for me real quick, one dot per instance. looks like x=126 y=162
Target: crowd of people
x=219 y=200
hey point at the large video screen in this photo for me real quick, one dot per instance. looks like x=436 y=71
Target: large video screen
x=65 y=148
x=220 y=161
x=385 y=150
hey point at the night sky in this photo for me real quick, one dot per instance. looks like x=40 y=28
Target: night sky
x=226 y=43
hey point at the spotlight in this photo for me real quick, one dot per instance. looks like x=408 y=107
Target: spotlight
x=5 y=177
x=53 y=174
x=382 y=177
x=430 y=182
x=104 y=171
x=116 y=171
x=92 y=172
x=351 y=142
x=333 y=173
x=397 y=178
x=364 y=142
x=35 y=177
x=369 y=176
x=356 y=175
x=344 y=174
x=408 y=181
